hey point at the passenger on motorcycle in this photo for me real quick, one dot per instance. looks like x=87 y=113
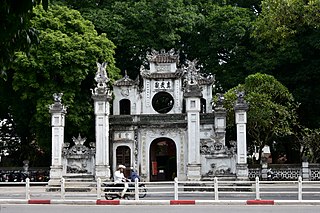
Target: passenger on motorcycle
x=133 y=175
x=121 y=180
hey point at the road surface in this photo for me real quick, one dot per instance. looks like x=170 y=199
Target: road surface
x=155 y=209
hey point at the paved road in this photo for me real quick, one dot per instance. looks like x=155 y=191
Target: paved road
x=155 y=209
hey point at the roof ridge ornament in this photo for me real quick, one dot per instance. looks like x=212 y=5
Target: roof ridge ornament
x=126 y=77
x=79 y=140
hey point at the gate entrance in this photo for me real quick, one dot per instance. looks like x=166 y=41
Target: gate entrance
x=123 y=157
x=163 y=160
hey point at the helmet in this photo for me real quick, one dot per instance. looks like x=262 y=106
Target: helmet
x=121 y=167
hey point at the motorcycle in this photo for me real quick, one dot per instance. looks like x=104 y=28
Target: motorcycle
x=272 y=176
x=113 y=191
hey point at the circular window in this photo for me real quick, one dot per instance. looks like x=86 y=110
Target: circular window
x=162 y=102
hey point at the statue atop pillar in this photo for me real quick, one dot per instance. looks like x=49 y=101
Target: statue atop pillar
x=102 y=80
x=57 y=105
x=191 y=81
x=241 y=104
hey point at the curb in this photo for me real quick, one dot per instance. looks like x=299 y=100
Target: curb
x=260 y=202
x=297 y=202
x=13 y=201
x=108 y=202
x=39 y=201
x=74 y=202
x=145 y=202
x=159 y=202
x=221 y=202
x=182 y=202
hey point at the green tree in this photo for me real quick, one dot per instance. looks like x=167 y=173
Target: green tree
x=222 y=43
x=272 y=109
x=15 y=30
x=136 y=27
x=254 y=5
x=64 y=61
x=287 y=37
x=309 y=142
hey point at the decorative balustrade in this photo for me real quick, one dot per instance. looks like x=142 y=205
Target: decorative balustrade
x=288 y=172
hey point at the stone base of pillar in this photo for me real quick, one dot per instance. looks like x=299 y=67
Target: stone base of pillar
x=242 y=172
x=56 y=172
x=103 y=172
x=55 y=176
x=194 y=172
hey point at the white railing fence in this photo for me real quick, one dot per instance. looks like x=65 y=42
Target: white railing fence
x=171 y=190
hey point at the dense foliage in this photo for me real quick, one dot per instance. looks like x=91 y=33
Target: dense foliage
x=64 y=61
x=16 y=32
x=287 y=35
x=231 y=39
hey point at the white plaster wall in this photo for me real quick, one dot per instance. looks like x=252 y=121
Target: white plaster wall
x=133 y=96
x=206 y=131
x=149 y=91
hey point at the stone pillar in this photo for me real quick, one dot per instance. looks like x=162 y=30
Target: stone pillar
x=264 y=171
x=241 y=108
x=220 y=117
x=305 y=171
x=192 y=97
x=102 y=96
x=194 y=164
x=58 y=112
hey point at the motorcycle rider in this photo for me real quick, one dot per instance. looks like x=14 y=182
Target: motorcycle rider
x=120 y=180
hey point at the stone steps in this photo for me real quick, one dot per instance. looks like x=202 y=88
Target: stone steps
x=77 y=183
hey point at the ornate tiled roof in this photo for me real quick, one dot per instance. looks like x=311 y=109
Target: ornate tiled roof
x=125 y=81
x=163 y=57
x=206 y=80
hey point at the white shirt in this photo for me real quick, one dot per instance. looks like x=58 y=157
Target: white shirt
x=118 y=177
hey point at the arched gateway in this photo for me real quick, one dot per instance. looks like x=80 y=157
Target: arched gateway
x=163 y=160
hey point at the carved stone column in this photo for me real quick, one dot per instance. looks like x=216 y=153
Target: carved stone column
x=220 y=117
x=241 y=108
x=58 y=112
x=192 y=97
x=102 y=96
